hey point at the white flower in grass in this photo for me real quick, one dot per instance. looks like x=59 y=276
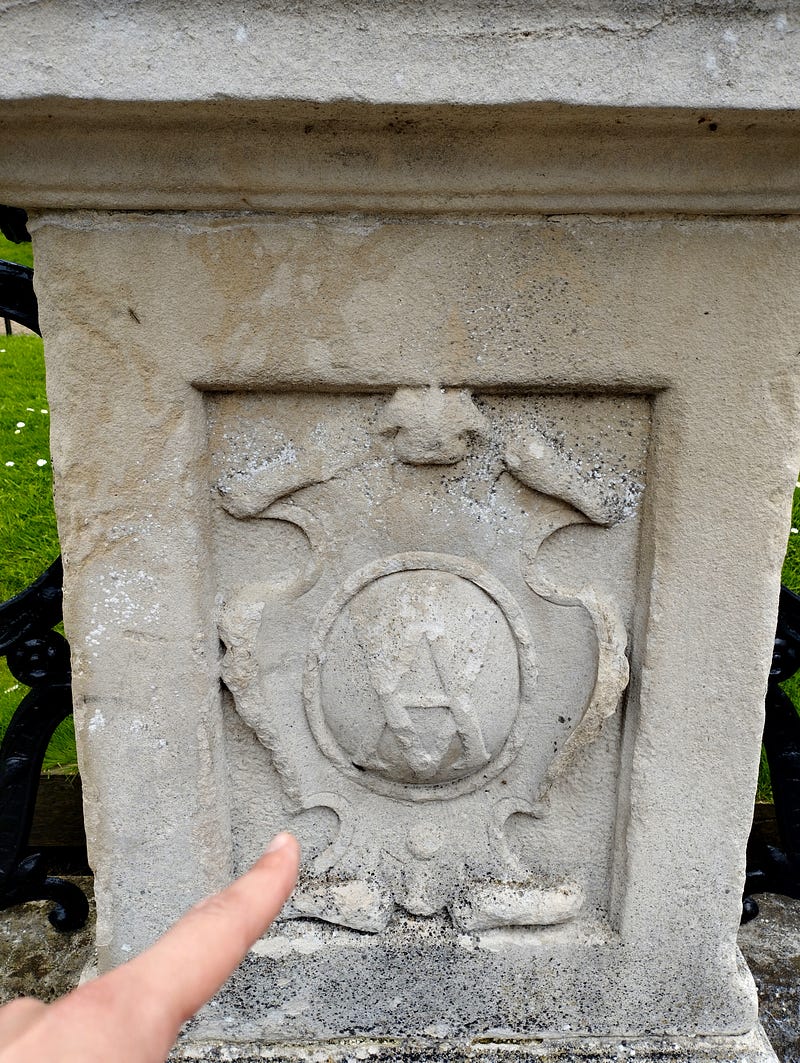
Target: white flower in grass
x=9 y=464
x=42 y=411
x=29 y=409
x=20 y=424
x=16 y=431
x=41 y=462
x=794 y=531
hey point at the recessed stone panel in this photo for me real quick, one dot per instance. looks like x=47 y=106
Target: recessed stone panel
x=440 y=657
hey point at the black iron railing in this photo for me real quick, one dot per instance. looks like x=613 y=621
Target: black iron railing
x=38 y=657
x=775 y=868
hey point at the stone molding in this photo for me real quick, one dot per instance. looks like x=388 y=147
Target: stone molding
x=284 y=156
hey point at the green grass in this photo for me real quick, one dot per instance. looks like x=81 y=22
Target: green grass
x=790 y=574
x=28 y=538
x=20 y=253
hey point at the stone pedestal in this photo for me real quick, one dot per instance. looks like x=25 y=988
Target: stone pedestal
x=424 y=443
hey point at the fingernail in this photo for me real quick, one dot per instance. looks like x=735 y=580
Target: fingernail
x=278 y=842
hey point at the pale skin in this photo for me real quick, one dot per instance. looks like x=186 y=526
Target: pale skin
x=133 y=1014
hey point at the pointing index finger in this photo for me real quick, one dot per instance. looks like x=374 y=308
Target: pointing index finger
x=193 y=959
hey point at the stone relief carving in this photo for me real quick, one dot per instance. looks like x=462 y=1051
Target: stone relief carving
x=418 y=673
x=394 y=679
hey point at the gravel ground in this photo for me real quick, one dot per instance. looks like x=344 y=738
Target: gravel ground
x=35 y=959
x=771 y=945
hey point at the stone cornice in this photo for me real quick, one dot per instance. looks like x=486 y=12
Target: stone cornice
x=681 y=53
x=351 y=157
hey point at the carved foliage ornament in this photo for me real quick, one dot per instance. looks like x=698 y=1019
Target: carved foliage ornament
x=394 y=680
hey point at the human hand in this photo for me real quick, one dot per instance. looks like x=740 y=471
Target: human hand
x=133 y=1013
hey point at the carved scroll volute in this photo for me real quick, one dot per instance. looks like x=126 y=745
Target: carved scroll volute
x=398 y=686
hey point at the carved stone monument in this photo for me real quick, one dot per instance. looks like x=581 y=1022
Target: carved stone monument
x=402 y=655
x=424 y=440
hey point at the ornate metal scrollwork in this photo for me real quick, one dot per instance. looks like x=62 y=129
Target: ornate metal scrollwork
x=38 y=657
x=772 y=868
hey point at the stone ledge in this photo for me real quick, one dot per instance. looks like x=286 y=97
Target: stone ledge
x=281 y=156
x=748 y=1048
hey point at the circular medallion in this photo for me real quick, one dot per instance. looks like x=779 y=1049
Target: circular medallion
x=418 y=676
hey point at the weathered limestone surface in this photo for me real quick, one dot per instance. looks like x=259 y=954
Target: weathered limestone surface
x=626 y=53
x=326 y=469
x=422 y=476
x=37 y=961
